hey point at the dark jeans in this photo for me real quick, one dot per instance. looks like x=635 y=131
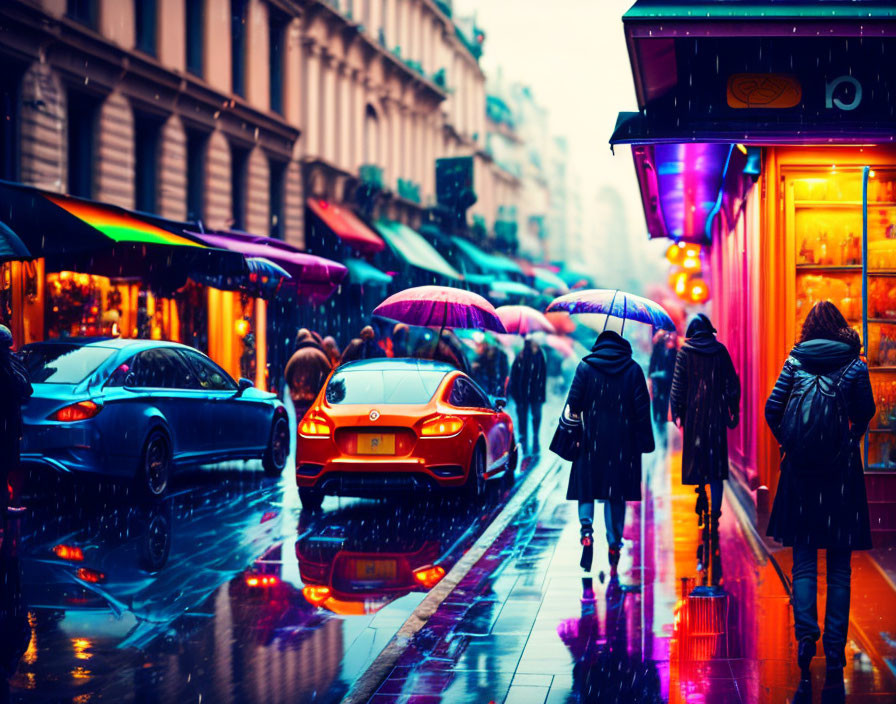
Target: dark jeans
x=805 y=593
x=614 y=518
x=522 y=411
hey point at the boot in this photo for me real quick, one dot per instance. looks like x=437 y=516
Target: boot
x=702 y=506
x=715 y=567
x=805 y=653
x=587 y=540
x=613 y=558
x=833 y=691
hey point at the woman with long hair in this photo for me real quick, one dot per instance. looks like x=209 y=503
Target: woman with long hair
x=819 y=411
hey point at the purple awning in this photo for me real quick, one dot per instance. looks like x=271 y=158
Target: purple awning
x=312 y=276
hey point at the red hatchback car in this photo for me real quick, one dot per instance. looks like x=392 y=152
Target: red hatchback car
x=382 y=426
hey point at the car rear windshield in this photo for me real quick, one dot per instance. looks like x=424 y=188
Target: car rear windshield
x=372 y=386
x=63 y=364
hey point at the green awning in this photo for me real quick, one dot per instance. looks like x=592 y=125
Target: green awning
x=494 y=263
x=363 y=273
x=842 y=9
x=501 y=290
x=412 y=248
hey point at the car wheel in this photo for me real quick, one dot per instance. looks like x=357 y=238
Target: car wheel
x=274 y=460
x=311 y=498
x=475 y=484
x=155 y=464
x=156 y=543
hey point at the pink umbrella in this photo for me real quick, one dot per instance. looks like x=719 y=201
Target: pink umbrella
x=563 y=345
x=523 y=320
x=441 y=306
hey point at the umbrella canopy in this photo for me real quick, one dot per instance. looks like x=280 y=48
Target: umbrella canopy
x=310 y=275
x=561 y=344
x=615 y=303
x=522 y=320
x=11 y=246
x=441 y=306
x=547 y=280
x=562 y=323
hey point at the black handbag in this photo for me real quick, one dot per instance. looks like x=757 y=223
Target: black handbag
x=567 y=440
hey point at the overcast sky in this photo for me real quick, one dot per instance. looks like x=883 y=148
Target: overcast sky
x=573 y=55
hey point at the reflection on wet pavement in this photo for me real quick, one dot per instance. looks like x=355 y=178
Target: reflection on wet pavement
x=225 y=591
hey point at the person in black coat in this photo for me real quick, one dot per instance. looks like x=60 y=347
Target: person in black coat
x=528 y=385
x=822 y=505
x=705 y=403
x=662 y=366
x=15 y=390
x=609 y=394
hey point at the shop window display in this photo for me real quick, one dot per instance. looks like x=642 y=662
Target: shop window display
x=824 y=214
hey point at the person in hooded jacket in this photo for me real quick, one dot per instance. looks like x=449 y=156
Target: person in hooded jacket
x=822 y=504
x=609 y=395
x=15 y=390
x=662 y=366
x=306 y=371
x=705 y=402
x=528 y=389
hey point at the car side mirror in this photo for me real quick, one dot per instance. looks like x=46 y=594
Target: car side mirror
x=500 y=403
x=242 y=385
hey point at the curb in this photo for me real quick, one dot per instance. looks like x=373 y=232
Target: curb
x=366 y=685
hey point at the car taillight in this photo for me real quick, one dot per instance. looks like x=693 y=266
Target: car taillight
x=314 y=425
x=441 y=426
x=88 y=575
x=261 y=580
x=316 y=595
x=77 y=411
x=69 y=552
x=429 y=576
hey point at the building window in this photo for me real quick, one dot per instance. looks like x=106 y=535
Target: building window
x=145 y=20
x=275 y=197
x=238 y=46
x=196 y=145
x=276 y=44
x=239 y=166
x=10 y=82
x=147 y=134
x=371 y=136
x=195 y=31
x=84 y=11
x=80 y=139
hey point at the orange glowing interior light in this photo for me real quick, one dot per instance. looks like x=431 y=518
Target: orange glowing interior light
x=314 y=425
x=69 y=552
x=88 y=575
x=429 y=576
x=77 y=411
x=316 y=595
x=441 y=426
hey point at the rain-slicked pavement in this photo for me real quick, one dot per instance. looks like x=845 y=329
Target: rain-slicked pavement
x=228 y=592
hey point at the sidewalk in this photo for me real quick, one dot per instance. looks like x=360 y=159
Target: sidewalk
x=516 y=629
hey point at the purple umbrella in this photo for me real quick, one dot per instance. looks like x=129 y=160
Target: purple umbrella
x=613 y=302
x=441 y=306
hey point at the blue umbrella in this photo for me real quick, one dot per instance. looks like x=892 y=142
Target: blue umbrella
x=613 y=302
x=11 y=246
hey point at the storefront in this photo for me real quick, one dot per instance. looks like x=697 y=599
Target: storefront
x=108 y=272
x=787 y=173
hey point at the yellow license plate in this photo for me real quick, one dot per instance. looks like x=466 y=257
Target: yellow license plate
x=375 y=569
x=376 y=444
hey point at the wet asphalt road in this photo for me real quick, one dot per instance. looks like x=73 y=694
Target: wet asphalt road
x=226 y=591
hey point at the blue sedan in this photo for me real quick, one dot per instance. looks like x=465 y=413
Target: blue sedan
x=137 y=408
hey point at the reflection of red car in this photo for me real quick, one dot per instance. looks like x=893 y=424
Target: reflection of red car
x=385 y=425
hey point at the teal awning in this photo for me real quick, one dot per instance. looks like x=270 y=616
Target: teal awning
x=547 y=279
x=363 y=273
x=714 y=10
x=488 y=263
x=413 y=249
x=502 y=290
